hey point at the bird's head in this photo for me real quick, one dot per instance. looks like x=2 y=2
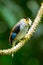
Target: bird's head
x=25 y=22
x=28 y=21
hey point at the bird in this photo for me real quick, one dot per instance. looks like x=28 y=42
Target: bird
x=19 y=31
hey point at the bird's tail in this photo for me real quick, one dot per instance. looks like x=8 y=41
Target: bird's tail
x=14 y=43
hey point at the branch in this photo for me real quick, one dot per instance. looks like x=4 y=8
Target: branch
x=28 y=35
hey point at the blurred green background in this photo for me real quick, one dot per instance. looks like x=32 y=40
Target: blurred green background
x=11 y=11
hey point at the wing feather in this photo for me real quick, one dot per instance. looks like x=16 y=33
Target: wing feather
x=21 y=34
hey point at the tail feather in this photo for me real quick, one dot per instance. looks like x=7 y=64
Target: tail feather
x=14 y=43
x=12 y=55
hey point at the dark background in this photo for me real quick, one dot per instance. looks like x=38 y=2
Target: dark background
x=11 y=11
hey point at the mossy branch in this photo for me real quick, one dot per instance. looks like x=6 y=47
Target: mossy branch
x=28 y=35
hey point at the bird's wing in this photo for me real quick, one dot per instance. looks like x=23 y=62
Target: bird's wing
x=21 y=34
x=13 y=29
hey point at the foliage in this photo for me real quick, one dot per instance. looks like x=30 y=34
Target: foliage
x=11 y=11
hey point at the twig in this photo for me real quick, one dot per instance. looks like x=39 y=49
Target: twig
x=28 y=35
